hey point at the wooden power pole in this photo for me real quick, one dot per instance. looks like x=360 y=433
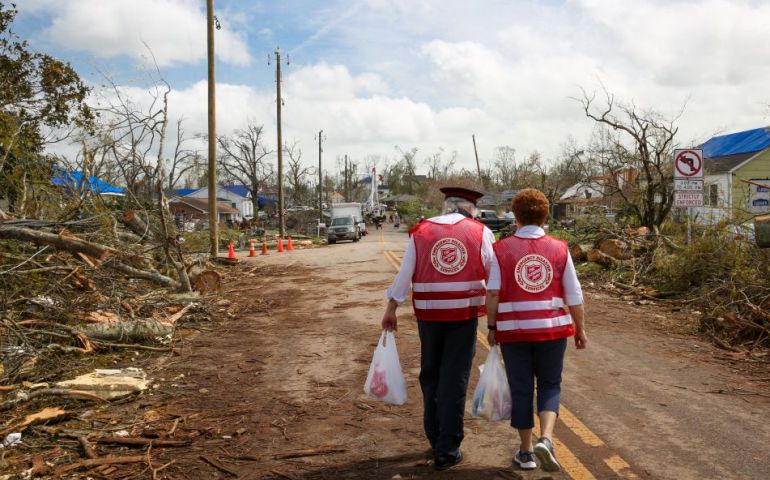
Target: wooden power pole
x=278 y=102
x=212 y=131
x=320 y=179
x=478 y=165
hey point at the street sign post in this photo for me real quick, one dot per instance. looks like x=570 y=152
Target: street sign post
x=688 y=181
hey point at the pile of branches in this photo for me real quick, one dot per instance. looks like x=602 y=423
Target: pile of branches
x=70 y=288
x=727 y=279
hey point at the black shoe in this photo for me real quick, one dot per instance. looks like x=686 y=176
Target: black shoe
x=525 y=460
x=544 y=452
x=444 y=462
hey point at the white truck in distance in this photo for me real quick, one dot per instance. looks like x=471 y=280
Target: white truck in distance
x=342 y=229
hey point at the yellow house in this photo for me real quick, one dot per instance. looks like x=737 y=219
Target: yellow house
x=737 y=177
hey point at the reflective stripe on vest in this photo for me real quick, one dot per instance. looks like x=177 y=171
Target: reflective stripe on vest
x=448 y=283
x=531 y=304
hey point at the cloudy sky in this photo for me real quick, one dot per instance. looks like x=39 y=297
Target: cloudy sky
x=374 y=74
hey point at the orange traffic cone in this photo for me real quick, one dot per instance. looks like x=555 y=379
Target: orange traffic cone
x=252 y=252
x=231 y=251
x=288 y=245
x=264 y=248
x=280 y=244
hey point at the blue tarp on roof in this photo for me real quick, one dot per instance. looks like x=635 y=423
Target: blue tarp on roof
x=63 y=178
x=263 y=200
x=736 y=143
x=237 y=189
x=185 y=191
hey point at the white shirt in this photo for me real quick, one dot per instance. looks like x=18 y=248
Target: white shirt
x=399 y=290
x=573 y=293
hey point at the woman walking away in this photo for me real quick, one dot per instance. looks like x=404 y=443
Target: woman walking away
x=531 y=282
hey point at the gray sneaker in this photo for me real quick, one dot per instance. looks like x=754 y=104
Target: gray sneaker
x=525 y=460
x=544 y=452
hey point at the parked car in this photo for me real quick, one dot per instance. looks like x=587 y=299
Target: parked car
x=492 y=221
x=343 y=228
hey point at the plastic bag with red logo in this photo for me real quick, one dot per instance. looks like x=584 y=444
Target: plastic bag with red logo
x=386 y=380
x=492 y=398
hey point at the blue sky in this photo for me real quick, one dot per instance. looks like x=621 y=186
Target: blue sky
x=378 y=73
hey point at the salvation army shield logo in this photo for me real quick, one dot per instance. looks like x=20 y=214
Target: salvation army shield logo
x=534 y=273
x=448 y=256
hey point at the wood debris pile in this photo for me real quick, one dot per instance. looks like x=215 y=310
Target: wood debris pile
x=80 y=295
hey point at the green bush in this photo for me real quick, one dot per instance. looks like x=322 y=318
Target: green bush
x=710 y=260
x=413 y=210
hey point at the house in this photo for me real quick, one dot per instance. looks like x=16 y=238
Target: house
x=736 y=177
x=606 y=192
x=499 y=201
x=191 y=209
x=236 y=196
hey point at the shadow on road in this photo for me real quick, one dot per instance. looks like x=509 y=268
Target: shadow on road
x=407 y=466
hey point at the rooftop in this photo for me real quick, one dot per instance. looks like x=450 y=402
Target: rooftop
x=748 y=141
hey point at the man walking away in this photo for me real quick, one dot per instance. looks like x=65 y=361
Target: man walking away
x=447 y=261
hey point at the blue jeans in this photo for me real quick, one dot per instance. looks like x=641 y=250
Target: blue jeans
x=525 y=362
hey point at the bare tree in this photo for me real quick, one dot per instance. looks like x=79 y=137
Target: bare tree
x=634 y=148
x=244 y=159
x=184 y=159
x=297 y=174
x=504 y=166
x=438 y=167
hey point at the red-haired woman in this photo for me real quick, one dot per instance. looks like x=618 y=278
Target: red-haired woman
x=534 y=303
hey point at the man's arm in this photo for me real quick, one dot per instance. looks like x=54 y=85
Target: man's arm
x=389 y=318
x=399 y=290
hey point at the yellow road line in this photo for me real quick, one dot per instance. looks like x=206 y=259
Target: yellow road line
x=619 y=466
x=579 y=428
x=382 y=236
x=391 y=259
x=569 y=462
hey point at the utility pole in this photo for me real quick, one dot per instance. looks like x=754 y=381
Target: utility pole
x=478 y=165
x=320 y=179
x=278 y=102
x=346 y=179
x=212 y=132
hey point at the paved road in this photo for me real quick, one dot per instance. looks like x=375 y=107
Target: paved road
x=640 y=402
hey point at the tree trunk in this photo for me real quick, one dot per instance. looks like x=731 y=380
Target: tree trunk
x=69 y=243
x=134 y=222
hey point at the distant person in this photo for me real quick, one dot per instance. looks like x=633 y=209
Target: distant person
x=508 y=215
x=531 y=282
x=446 y=261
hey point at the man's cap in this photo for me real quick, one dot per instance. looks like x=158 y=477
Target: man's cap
x=466 y=193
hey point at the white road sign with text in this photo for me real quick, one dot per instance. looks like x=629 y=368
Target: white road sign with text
x=682 y=184
x=688 y=199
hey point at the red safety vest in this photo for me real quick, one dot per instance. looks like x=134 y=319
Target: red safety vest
x=532 y=304
x=448 y=283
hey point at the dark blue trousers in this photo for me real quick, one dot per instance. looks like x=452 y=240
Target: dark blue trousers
x=525 y=362
x=445 y=366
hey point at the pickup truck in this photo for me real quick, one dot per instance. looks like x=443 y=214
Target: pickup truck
x=492 y=221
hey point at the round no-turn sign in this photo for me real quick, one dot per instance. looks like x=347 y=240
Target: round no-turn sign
x=688 y=163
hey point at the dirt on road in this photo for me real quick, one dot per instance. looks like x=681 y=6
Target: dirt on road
x=273 y=388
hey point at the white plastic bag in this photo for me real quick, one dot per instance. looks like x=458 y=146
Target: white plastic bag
x=386 y=380
x=492 y=398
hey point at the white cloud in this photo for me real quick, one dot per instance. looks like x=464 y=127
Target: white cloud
x=431 y=73
x=175 y=30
